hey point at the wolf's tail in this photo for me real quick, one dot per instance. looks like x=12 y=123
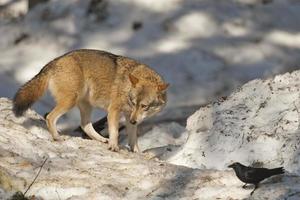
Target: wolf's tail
x=30 y=92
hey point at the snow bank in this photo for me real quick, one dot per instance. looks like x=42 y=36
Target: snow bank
x=258 y=124
x=84 y=169
x=163 y=135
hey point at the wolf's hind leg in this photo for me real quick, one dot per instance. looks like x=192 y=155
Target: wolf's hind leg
x=61 y=108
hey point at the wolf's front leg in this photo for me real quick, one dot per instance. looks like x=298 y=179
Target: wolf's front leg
x=113 y=129
x=86 y=125
x=131 y=130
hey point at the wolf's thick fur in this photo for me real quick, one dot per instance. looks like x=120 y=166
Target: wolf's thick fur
x=91 y=78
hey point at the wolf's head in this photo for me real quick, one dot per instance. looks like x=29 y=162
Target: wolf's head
x=145 y=98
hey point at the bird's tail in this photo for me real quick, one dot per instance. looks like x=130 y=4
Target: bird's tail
x=275 y=171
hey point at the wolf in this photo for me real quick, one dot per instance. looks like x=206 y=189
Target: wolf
x=88 y=79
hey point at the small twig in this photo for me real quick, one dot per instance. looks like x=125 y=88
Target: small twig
x=296 y=107
x=152 y=191
x=36 y=176
x=298 y=114
x=57 y=194
x=242 y=139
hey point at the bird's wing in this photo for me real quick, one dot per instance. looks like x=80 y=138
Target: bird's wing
x=262 y=173
x=251 y=175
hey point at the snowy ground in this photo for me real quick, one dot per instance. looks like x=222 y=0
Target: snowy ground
x=84 y=169
x=205 y=49
x=256 y=125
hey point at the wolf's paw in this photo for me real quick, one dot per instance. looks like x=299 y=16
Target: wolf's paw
x=58 y=138
x=113 y=147
x=135 y=149
x=104 y=140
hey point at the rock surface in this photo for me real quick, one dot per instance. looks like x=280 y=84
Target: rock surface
x=258 y=124
x=84 y=169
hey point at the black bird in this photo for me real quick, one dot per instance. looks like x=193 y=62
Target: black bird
x=251 y=175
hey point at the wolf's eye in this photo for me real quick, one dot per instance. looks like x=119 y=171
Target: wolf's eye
x=145 y=107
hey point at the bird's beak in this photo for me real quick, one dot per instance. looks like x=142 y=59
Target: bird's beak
x=230 y=166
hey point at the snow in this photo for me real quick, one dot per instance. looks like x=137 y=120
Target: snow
x=249 y=126
x=259 y=123
x=78 y=168
x=205 y=49
x=163 y=135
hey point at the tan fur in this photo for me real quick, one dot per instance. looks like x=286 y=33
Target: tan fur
x=92 y=78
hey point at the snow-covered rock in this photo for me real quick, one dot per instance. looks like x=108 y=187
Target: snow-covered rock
x=163 y=135
x=84 y=169
x=258 y=124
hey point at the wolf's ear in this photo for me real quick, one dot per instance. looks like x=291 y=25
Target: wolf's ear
x=161 y=99
x=162 y=87
x=133 y=80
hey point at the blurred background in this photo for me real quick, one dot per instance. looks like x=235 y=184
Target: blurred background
x=204 y=48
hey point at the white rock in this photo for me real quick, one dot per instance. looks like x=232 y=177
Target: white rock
x=163 y=135
x=84 y=169
x=259 y=123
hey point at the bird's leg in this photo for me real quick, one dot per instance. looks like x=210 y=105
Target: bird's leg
x=244 y=186
x=256 y=186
